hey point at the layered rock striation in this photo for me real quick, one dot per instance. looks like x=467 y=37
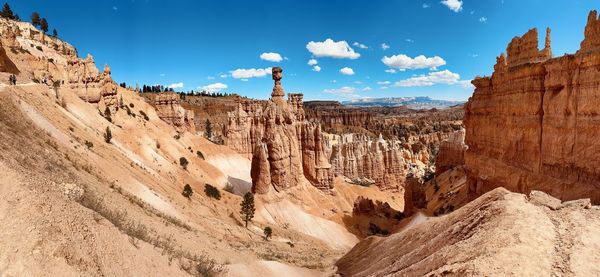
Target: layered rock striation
x=169 y=109
x=532 y=125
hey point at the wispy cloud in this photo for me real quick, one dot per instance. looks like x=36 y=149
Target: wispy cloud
x=214 y=87
x=241 y=73
x=384 y=46
x=271 y=56
x=433 y=78
x=175 y=85
x=360 y=45
x=347 y=71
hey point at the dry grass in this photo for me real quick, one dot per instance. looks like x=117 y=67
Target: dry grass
x=197 y=265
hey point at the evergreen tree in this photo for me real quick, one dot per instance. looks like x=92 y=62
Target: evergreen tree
x=247 y=207
x=187 y=191
x=208 y=129
x=36 y=19
x=268 y=232
x=44 y=25
x=7 y=12
x=54 y=33
x=107 y=135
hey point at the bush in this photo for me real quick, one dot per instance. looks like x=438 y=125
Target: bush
x=187 y=191
x=107 y=135
x=88 y=144
x=268 y=232
x=107 y=114
x=157 y=145
x=183 y=162
x=144 y=115
x=39 y=48
x=131 y=105
x=212 y=192
x=247 y=207
x=199 y=154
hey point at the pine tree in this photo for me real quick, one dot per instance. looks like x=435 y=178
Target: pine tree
x=36 y=19
x=7 y=12
x=247 y=207
x=54 y=33
x=107 y=135
x=44 y=25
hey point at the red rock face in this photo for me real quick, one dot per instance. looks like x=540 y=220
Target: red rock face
x=533 y=125
x=451 y=152
x=169 y=110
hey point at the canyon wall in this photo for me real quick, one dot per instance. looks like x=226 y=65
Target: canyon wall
x=533 y=124
x=169 y=109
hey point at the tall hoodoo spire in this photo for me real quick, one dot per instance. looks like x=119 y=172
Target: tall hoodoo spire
x=278 y=92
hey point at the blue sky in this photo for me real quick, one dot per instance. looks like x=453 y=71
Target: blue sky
x=213 y=44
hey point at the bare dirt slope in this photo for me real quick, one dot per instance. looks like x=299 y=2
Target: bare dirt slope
x=499 y=234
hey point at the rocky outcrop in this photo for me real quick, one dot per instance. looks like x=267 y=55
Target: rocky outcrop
x=315 y=162
x=385 y=163
x=168 y=108
x=338 y=115
x=451 y=152
x=532 y=125
x=277 y=160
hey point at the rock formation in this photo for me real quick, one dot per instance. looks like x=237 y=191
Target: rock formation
x=451 y=152
x=532 y=125
x=274 y=135
x=168 y=108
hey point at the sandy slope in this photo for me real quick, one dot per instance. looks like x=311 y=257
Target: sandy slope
x=499 y=234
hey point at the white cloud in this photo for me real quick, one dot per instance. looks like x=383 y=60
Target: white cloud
x=367 y=89
x=347 y=71
x=312 y=62
x=334 y=81
x=439 y=77
x=474 y=55
x=403 y=62
x=384 y=46
x=216 y=87
x=483 y=19
x=409 y=40
x=391 y=70
x=316 y=68
x=223 y=75
x=332 y=49
x=384 y=83
x=241 y=73
x=454 y=5
x=360 y=45
x=425 y=5
x=272 y=57
x=175 y=85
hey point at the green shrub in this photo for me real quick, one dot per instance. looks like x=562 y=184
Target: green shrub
x=199 y=154
x=183 y=162
x=187 y=191
x=268 y=232
x=212 y=191
x=89 y=144
x=144 y=115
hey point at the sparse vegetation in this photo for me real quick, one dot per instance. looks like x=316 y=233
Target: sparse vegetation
x=197 y=265
x=183 y=162
x=187 y=191
x=376 y=230
x=143 y=114
x=107 y=114
x=212 y=191
x=247 y=208
x=362 y=182
x=88 y=144
x=44 y=25
x=8 y=13
x=39 y=48
x=268 y=232
x=157 y=144
x=199 y=154
x=35 y=19
x=107 y=135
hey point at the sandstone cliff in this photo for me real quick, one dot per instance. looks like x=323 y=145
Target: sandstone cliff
x=169 y=109
x=532 y=125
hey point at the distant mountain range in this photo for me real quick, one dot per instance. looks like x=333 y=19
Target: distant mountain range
x=421 y=102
